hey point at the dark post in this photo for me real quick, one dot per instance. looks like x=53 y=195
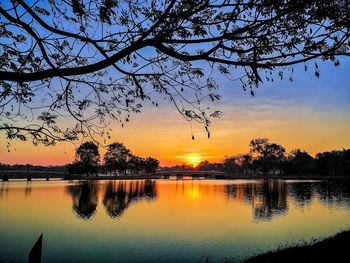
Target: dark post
x=47 y=177
x=35 y=253
x=29 y=177
x=5 y=177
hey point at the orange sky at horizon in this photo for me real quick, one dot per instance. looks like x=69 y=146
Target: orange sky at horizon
x=163 y=134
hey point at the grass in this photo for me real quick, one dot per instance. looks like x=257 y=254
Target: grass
x=331 y=249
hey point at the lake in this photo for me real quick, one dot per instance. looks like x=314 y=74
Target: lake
x=166 y=220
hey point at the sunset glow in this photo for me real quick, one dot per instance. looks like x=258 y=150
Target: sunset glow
x=193 y=159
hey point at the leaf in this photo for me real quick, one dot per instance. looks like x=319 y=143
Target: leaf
x=41 y=11
x=317 y=73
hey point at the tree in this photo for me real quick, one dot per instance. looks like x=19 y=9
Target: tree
x=207 y=166
x=87 y=159
x=302 y=162
x=117 y=157
x=103 y=60
x=231 y=166
x=204 y=166
x=136 y=164
x=333 y=163
x=151 y=165
x=246 y=162
x=240 y=164
x=268 y=155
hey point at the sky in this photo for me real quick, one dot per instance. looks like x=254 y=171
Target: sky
x=309 y=113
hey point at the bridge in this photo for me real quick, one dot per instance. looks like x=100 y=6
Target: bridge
x=178 y=175
x=29 y=175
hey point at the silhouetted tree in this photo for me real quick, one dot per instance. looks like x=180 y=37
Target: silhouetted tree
x=302 y=162
x=333 y=163
x=231 y=166
x=151 y=165
x=204 y=166
x=208 y=166
x=246 y=162
x=268 y=155
x=136 y=164
x=87 y=159
x=99 y=60
x=116 y=158
x=240 y=164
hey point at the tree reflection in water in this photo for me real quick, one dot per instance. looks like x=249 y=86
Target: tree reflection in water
x=28 y=189
x=120 y=194
x=117 y=197
x=4 y=189
x=269 y=198
x=85 y=198
x=302 y=192
x=335 y=193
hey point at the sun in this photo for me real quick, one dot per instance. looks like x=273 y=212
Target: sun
x=193 y=159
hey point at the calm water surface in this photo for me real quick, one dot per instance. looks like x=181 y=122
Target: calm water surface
x=166 y=221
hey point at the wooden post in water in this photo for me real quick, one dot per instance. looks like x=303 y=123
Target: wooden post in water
x=48 y=177
x=35 y=253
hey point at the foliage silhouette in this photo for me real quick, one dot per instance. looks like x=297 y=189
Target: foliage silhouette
x=151 y=165
x=87 y=159
x=136 y=164
x=117 y=157
x=102 y=61
x=266 y=158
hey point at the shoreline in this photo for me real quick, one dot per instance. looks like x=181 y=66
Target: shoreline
x=183 y=177
x=329 y=249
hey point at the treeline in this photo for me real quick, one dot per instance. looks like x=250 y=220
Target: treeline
x=30 y=167
x=266 y=158
x=117 y=160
